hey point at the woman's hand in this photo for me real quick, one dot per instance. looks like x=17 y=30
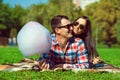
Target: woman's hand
x=96 y=60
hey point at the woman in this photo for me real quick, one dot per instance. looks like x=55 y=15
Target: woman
x=82 y=29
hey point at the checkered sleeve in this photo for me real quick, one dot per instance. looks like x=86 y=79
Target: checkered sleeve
x=81 y=56
x=47 y=58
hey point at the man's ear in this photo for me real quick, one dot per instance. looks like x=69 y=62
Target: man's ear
x=57 y=30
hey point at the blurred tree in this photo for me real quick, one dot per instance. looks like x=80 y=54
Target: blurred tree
x=118 y=31
x=13 y=33
x=44 y=12
x=2 y=26
x=35 y=13
x=5 y=20
x=59 y=7
x=106 y=14
x=10 y=18
x=16 y=15
x=62 y=7
x=65 y=7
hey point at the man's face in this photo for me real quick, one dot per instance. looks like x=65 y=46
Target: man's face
x=66 y=30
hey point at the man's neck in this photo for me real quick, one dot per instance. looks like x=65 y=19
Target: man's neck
x=62 y=41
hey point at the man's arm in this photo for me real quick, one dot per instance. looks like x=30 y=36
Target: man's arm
x=45 y=61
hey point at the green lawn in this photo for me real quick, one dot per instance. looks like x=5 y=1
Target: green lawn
x=111 y=56
x=12 y=55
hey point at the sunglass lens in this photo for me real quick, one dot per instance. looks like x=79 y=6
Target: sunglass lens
x=75 y=24
x=81 y=26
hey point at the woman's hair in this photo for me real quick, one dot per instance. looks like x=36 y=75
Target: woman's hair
x=86 y=36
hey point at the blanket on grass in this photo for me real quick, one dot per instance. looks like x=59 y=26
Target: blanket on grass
x=30 y=64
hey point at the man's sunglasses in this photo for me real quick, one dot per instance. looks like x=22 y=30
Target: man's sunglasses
x=66 y=26
x=80 y=25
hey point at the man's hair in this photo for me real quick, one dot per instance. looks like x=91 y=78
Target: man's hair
x=56 y=21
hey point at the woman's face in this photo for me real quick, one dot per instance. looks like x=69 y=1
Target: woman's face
x=79 y=26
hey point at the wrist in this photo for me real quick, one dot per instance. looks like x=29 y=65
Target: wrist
x=64 y=66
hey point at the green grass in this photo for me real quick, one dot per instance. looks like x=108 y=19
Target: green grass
x=12 y=54
x=59 y=75
x=111 y=56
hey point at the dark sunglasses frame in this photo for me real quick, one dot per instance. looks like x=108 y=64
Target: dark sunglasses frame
x=66 y=26
x=80 y=25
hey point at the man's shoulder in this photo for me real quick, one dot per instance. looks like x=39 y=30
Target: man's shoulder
x=53 y=35
x=54 y=41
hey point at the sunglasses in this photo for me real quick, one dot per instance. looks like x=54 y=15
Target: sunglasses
x=80 y=25
x=66 y=26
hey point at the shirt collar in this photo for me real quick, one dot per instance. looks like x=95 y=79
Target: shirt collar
x=55 y=42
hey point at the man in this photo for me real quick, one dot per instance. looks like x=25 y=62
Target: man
x=66 y=51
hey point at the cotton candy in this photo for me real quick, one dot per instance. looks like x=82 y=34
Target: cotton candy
x=33 y=38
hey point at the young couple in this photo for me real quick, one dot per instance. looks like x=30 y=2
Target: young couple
x=72 y=45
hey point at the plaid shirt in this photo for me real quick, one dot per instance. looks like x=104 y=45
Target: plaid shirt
x=74 y=56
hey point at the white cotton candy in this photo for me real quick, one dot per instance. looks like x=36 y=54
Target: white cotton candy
x=33 y=38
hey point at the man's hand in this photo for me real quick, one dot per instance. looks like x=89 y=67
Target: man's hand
x=43 y=65
x=59 y=67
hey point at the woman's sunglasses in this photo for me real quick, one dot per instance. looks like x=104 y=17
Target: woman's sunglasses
x=80 y=25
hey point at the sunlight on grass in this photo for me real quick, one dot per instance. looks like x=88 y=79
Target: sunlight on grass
x=12 y=55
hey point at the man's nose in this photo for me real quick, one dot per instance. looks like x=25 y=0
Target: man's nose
x=71 y=27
